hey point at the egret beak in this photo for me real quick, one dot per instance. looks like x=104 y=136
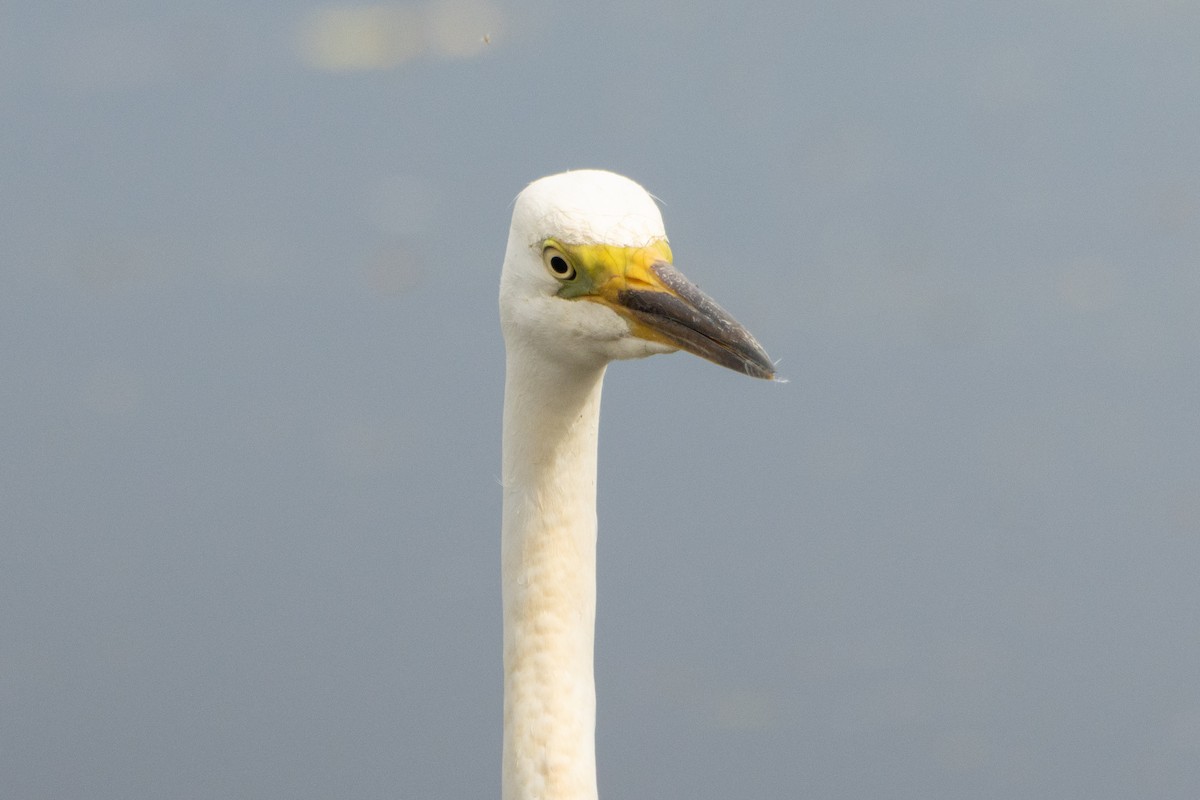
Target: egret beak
x=666 y=307
x=660 y=305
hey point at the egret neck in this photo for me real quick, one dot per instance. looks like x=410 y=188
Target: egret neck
x=548 y=573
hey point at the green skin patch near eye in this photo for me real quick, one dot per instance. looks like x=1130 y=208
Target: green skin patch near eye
x=598 y=264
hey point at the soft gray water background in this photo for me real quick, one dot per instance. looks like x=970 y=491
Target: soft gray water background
x=250 y=386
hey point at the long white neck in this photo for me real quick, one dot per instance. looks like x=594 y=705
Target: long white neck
x=548 y=574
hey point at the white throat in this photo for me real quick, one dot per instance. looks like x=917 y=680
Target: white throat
x=548 y=575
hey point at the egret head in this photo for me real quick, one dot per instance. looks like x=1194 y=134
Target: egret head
x=588 y=278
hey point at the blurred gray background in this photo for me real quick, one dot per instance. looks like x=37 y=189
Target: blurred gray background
x=251 y=375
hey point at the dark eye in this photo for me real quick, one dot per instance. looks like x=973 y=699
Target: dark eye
x=558 y=264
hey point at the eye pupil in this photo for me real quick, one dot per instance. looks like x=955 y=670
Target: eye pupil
x=557 y=262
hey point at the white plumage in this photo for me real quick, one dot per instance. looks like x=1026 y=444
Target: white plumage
x=587 y=279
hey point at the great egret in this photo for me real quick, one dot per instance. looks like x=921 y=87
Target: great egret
x=587 y=279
